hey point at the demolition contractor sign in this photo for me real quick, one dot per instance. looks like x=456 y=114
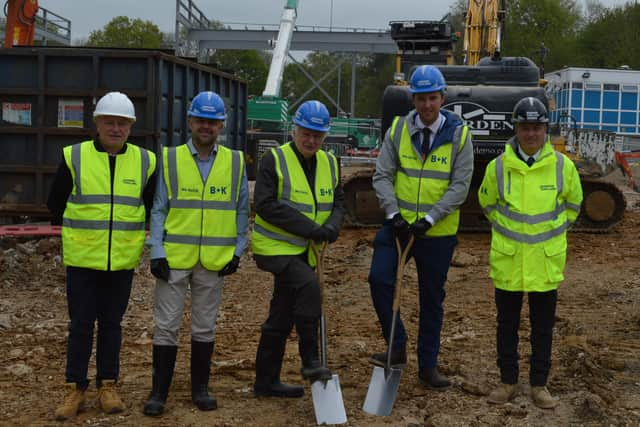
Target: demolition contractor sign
x=490 y=129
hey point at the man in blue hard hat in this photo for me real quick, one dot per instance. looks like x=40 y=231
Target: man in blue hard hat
x=299 y=202
x=199 y=224
x=422 y=176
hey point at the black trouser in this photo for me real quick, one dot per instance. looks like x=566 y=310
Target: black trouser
x=95 y=295
x=542 y=308
x=296 y=291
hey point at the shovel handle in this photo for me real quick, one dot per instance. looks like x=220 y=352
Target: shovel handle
x=402 y=259
x=319 y=263
x=320 y=273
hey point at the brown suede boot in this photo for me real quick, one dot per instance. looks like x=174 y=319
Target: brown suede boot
x=542 y=398
x=73 y=403
x=108 y=399
x=502 y=394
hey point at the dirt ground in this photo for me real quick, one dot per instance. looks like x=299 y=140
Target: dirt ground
x=596 y=353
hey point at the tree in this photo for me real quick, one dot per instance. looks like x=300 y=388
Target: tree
x=373 y=74
x=612 y=39
x=249 y=65
x=529 y=23
x=124 y=32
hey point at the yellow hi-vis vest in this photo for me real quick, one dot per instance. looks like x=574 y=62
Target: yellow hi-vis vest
x=420 y=184
x=201 y=223
x=102 y=230
x=530 y=210
x=294 y=190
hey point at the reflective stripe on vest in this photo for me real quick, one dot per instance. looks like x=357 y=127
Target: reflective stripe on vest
x=201 y=223
x=294 y=191
x=503 y=209
x=419 y=184
x=95 y=220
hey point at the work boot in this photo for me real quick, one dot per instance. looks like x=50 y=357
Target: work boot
x=74 y=402
x=398 y=358
x=542 y=398
x=164 y=361
x=432 y=379
x=502 y=394
x=268 y=366
x=312 y=370
x=200 y=368
x=108 y=399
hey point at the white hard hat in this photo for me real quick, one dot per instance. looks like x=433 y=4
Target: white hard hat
x=115 y=104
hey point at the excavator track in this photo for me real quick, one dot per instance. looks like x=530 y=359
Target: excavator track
x=602 y=208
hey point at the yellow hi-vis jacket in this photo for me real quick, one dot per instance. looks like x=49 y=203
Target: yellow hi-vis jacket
x=294 y=190
x=201 y=222
x=103 y=230
x=530 y=210
x=420 y=184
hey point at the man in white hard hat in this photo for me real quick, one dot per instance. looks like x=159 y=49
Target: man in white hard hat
x=101 y=194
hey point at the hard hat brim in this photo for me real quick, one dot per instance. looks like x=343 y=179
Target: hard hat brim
x=207 y=116
x=126 y=116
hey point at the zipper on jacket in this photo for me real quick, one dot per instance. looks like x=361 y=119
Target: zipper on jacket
x=508 y=182
x=424 y=160
x=112 y=174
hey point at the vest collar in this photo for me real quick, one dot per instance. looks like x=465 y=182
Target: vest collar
x=100 y=148
x=194 y=150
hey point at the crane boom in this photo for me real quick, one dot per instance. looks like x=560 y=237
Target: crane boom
x=281 y=50
x=483 y=29
x=20 y=26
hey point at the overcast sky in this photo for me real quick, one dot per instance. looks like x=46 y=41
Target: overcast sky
x=89 y=15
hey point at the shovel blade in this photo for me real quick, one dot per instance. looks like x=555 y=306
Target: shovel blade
x=327 y=401
x=382 y=391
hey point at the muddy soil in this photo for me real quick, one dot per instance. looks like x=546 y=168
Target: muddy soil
x=596 y=353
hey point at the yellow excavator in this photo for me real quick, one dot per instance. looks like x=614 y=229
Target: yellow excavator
x=483 y=92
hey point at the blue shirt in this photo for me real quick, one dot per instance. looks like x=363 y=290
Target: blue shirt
x=161 y=205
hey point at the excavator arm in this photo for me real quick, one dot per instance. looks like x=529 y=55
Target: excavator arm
x=21 y=18
x=483 y=29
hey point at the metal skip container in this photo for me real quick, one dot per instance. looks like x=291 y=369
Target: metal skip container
x=47 y=97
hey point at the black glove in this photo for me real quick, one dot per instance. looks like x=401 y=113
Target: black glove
x=332 y=232
x=231 y=267
x=420 y=227
x=320 y=234
x=160 y=269
x=401 y=229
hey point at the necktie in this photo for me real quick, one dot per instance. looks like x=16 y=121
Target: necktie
x=530 y=161
x=426 y=138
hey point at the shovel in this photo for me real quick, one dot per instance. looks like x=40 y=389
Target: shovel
x=384 y=384
x=326 y=394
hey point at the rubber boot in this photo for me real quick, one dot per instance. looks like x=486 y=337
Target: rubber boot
x=200 y=367
x=312 y=370
x=74 y=402
x=268 y=366
x=164 y=362
x=434 y=380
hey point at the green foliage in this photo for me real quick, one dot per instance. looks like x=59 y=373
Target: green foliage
x=124 y=32
x=529 y=23
x=249 y=65
x=373 y=74
x=613 y=39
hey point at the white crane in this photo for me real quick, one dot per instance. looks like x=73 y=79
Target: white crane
x=281 y=50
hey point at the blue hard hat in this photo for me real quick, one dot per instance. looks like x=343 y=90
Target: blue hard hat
x=426 y=78
x=207 y=105
x=312 y=115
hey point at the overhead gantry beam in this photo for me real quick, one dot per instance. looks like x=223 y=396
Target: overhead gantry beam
x=328 y=41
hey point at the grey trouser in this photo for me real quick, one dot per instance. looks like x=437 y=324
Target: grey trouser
x=206 y=295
